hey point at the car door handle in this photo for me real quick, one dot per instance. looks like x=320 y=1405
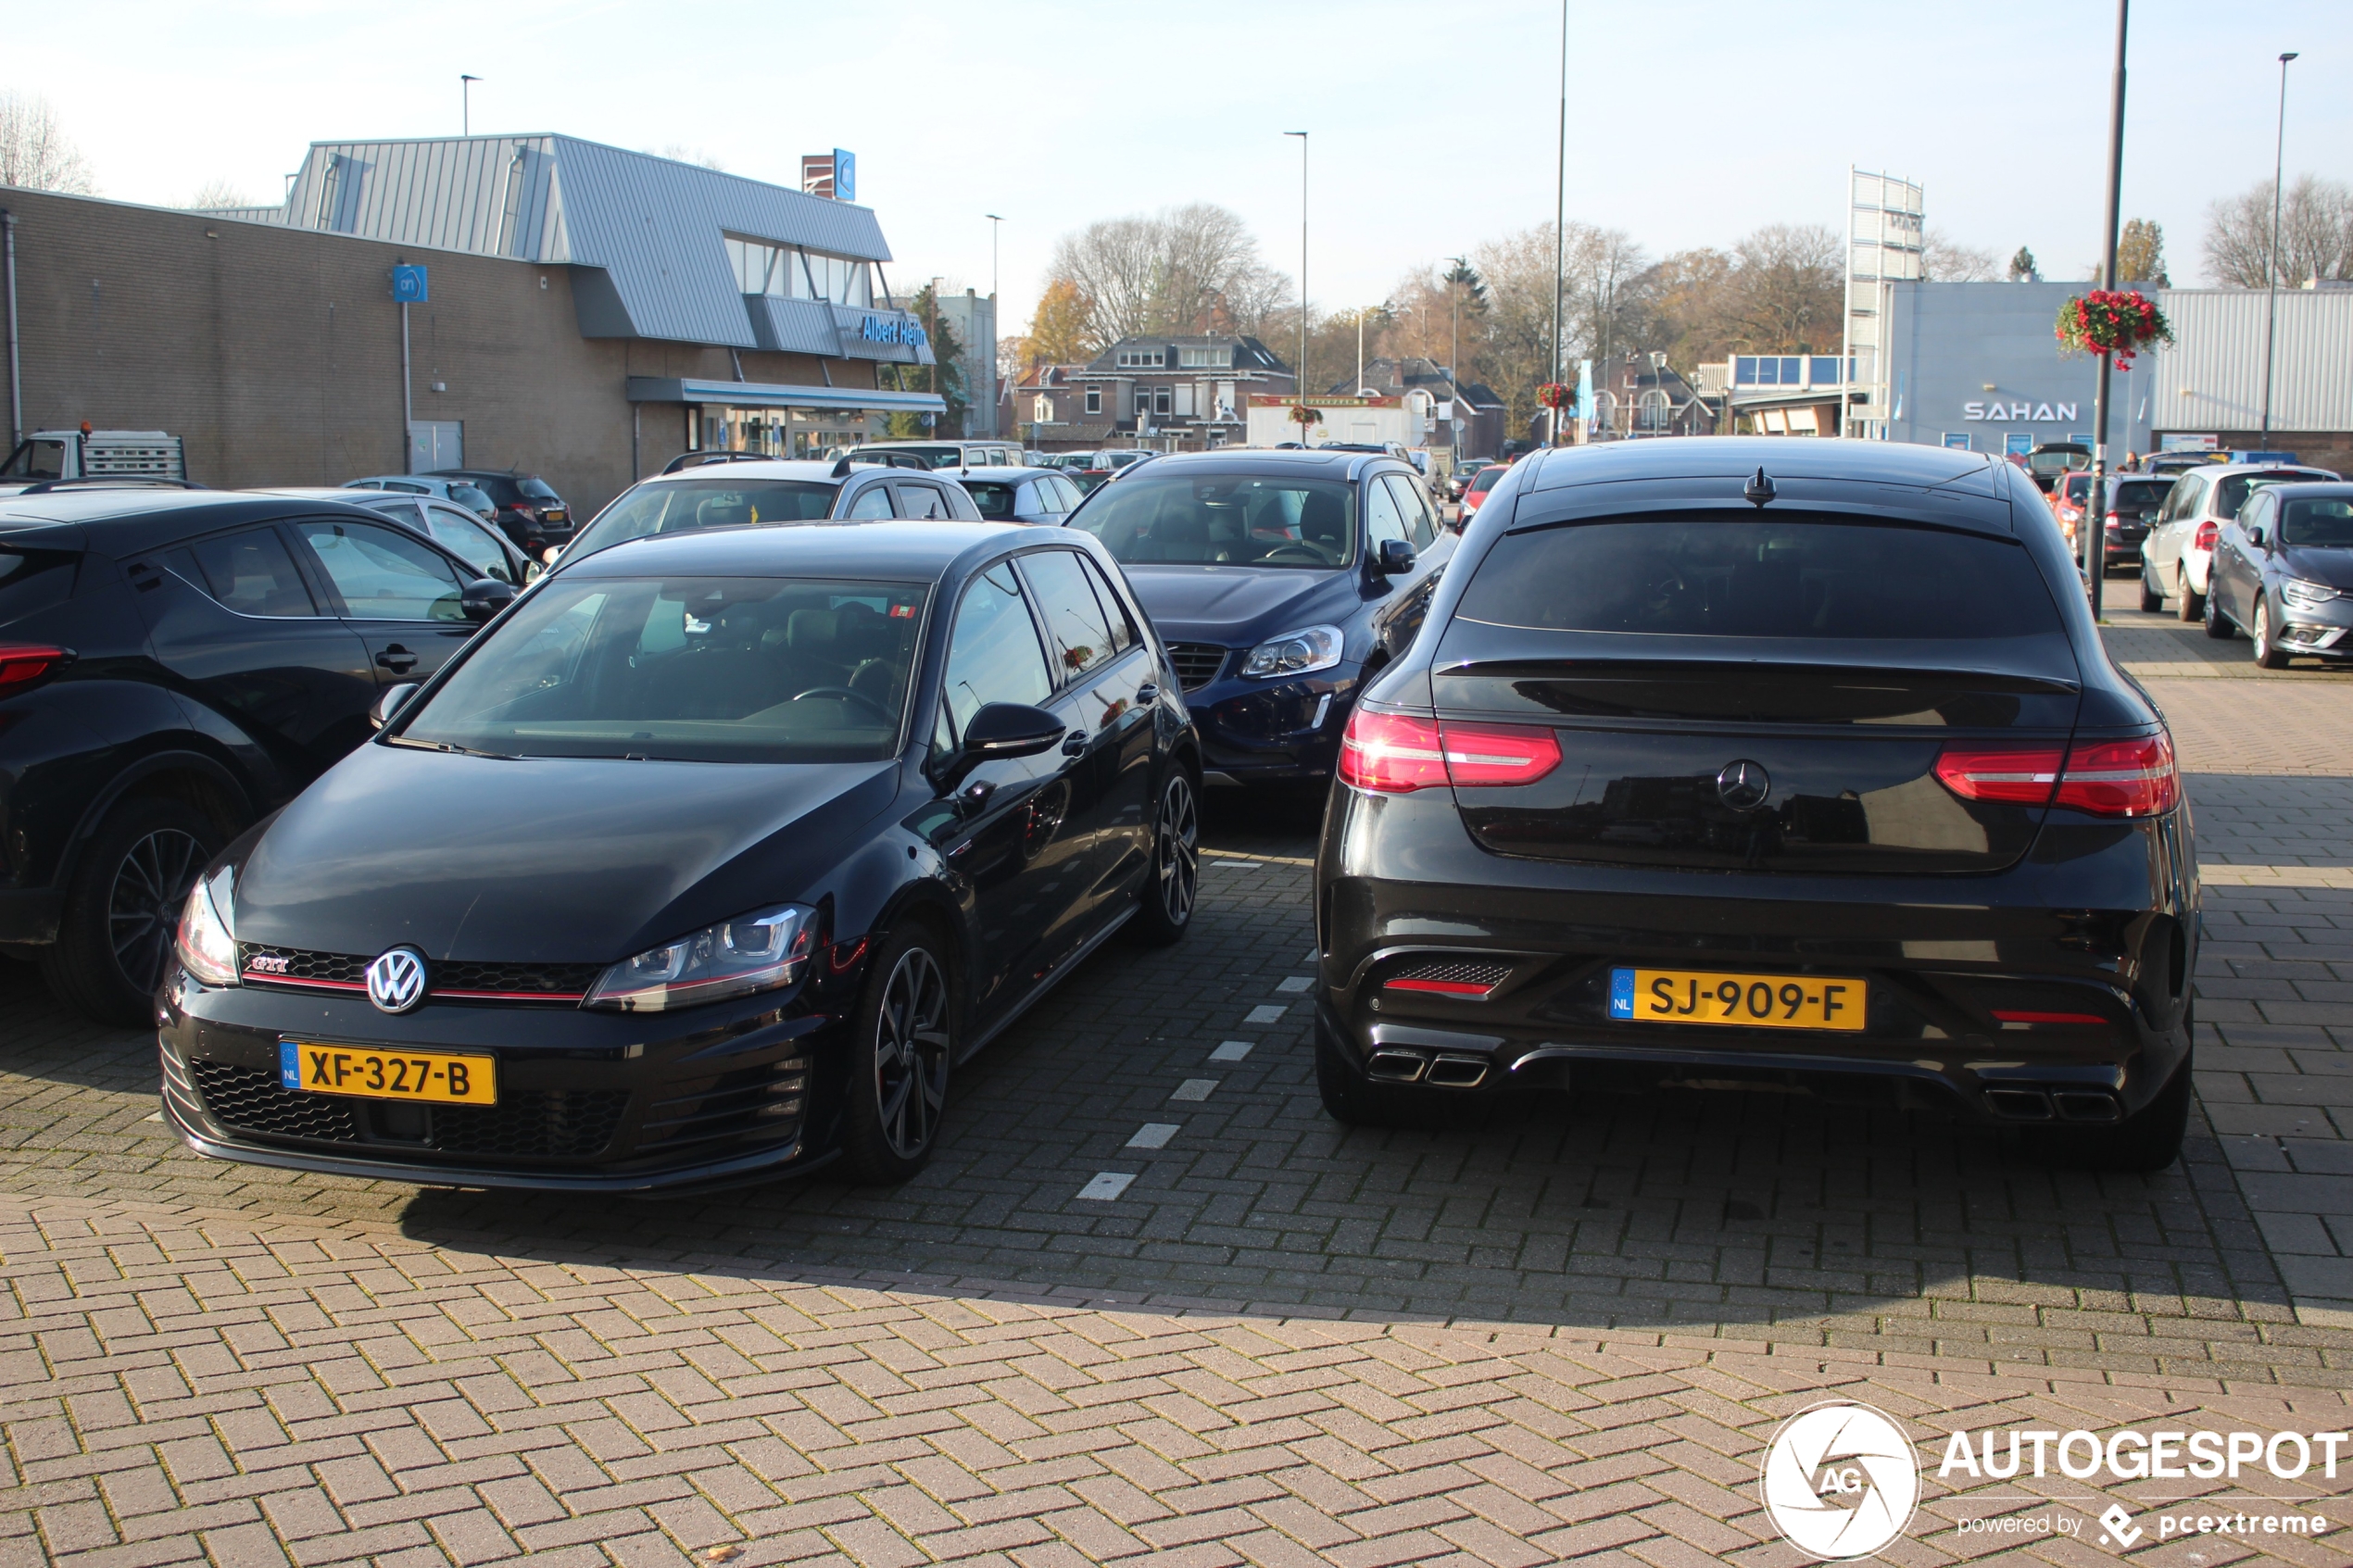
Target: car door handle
x=397 y=659
x=1146 y=693
x=1074 y=744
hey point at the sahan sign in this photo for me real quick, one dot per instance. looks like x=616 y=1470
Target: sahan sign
x=2019 y=413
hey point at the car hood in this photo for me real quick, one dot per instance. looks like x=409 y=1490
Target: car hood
x=2331 y=565
x=1238 y=605
x=543 y=860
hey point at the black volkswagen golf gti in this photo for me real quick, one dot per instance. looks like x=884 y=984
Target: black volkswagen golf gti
x=817 y=811
x=1740 y=760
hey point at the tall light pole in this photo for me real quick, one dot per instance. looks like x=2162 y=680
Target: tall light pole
x=2271 y=271
x=2091 y=532
x=996 y=226
x=1299 y=377
x=466 y=103
x=1560 y=224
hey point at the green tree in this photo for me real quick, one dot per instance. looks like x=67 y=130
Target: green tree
x=944 y=376
x=2022 y=268
x=2140 y=253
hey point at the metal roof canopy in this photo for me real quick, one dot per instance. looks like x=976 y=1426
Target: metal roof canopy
x=778 y=395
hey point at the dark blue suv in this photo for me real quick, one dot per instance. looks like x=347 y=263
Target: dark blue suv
x=1281 y=581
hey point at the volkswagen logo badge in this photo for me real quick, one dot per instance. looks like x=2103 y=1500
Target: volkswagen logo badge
x=1742 y=785
x=396 y=979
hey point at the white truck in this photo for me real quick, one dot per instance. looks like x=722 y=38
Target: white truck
x=92 y=454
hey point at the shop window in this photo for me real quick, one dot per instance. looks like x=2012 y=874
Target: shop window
x=789 y=272
x=1824 y=369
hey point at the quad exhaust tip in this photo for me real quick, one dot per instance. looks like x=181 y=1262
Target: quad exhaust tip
x=2054 y=1105
x=1446 y=1070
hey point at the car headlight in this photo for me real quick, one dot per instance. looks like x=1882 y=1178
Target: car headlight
x=205 y=942
x=753 y=952
x=1296 y=653
x=2300 y=594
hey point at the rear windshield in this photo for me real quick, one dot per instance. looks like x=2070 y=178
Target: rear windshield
x=2319 y=524
x=994 y=500
x=1485 y=479
x=1782 y=577
x=1224 y=520
x=2142 y=493
x=537 y=489
x=2231 y=495
x=694 y=669
x=691 y=505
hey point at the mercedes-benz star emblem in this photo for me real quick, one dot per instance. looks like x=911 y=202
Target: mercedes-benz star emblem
x=396 y=979
x=1742 y=785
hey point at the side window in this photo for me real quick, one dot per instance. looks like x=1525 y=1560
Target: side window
x=251 y=572
x=873 y=502
x=382 y=574
x=1383 y=519
x=924 y=502
x=463 y=536
x=2191 y=494
x=1123 y=631
x=1421 y=524
x=401 y=511
x=993 y=654
x=1075 y=627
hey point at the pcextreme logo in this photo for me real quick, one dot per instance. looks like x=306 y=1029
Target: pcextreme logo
x=1840 y=1480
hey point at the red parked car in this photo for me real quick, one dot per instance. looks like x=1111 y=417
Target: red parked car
x=1475 y=493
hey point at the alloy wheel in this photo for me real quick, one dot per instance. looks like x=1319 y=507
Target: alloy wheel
x=911 y=1054
x=2262 y=630
x=143 y=908
x=1176 y=848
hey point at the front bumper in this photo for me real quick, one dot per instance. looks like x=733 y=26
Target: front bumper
x=1273 y=731
x=2319 y=631
x=2098 y=923
x=588 y=1101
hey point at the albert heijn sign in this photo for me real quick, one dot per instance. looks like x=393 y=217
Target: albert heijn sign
x=2019 y=413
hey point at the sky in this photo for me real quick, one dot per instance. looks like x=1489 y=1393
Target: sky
x=1692 y=121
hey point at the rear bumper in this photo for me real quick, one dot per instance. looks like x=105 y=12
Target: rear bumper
x=29 y=914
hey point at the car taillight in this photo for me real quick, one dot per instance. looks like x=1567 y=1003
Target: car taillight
x=1394 y=754
x=2207 y=532
x=23 y=664
x=2122 y=778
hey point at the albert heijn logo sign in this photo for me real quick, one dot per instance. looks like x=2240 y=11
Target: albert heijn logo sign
x=893 y=329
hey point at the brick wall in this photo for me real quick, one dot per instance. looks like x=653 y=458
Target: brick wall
x=275 y=352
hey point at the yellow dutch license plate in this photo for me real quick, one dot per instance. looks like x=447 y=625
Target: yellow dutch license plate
x=374 y=1073
x=1750 y=1001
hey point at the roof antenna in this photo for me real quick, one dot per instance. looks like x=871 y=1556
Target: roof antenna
x=1760 y=488
x=841 y=467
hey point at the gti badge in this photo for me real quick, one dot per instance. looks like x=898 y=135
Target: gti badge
x=1742 y=785
x=396 y=979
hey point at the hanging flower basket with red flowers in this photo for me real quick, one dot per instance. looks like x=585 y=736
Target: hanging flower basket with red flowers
x=1553 y=394
x=1302 y=416
x=2117 y=323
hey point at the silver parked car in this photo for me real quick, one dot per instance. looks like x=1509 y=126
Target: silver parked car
x=1021 y=494
x=2179 y=551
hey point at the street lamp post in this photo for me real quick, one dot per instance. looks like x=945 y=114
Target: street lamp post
x=996 y=227
x=2272 y=268
x=466 y=103
x=2091 y=530
x=1455 y=352
x=1299 y=377
x=1560 y=227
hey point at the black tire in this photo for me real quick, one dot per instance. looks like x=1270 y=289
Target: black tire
x=904 y=1046
x=2152 y=594
x=2193 y=606
x=1352 y=1101
x=1172 y=883
x=2217 y=625
x=2268 y=652
x=123 y=905
x=2149 y=1139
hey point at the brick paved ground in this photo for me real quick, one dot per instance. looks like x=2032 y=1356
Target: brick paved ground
x=1563 y=1334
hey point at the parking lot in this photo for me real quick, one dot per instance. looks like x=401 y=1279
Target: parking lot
x=1149 y=1302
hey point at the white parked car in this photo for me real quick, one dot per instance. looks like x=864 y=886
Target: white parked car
x=2179 y=551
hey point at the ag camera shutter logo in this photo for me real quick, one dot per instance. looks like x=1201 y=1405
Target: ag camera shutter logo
x=1840 y=1480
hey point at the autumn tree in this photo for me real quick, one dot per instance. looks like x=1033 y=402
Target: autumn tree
x=2140 y=253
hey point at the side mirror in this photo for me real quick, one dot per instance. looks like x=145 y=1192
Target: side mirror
x=485 y=596
x=388 y=703
x=2255 y=535
x=1395 y=558
x=1000 y=729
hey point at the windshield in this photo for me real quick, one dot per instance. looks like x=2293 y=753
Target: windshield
x=2322 y=523
x=467 y=496
x=537 y=489
x=1224 y=520
x=694 y=669
x=691 y=505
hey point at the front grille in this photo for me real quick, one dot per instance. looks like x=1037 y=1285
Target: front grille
x=1197 y=663
x=525 y=1124
x=454 y=981
x=763 y=1102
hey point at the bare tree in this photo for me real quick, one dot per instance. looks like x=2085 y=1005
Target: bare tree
x=1944 y=259
x=2315 y=234
x=216 y=193
x=34 y=152
x=1789 y=289
x=1187 y=270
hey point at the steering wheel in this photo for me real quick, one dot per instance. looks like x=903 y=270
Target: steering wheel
x=1308 y=555
x=887 y=716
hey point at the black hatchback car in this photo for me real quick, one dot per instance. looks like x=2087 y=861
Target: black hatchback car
x=533 y=516
x=173 y=664
x=823 y=809
x=1743 y=759
x=1284 y=580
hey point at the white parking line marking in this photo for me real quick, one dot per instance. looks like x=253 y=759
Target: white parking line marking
x=1266 y=1012
x=1106 y=1185
x=1230 y=1050
x=1295 y=984
x=1312 y=955
x=1154 y=1134
x=1195 y=1089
